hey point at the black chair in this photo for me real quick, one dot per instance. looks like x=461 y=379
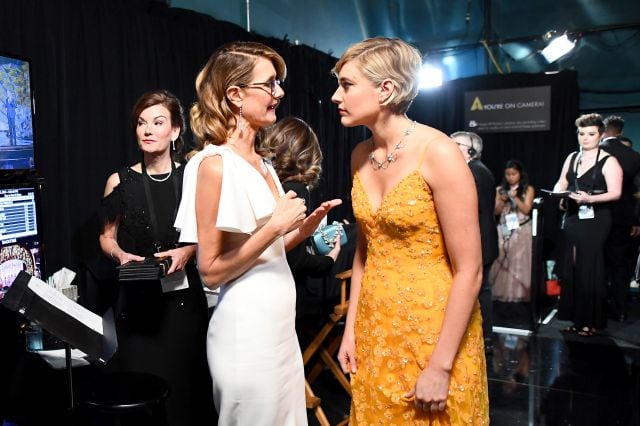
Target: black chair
x=125 y=398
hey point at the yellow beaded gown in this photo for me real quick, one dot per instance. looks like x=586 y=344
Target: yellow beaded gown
x=403 y=296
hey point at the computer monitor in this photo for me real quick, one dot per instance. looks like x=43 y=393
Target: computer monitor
x=20 y=240
x=16 y=114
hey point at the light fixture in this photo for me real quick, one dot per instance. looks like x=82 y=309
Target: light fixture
x=430 y=76
x=557 y=48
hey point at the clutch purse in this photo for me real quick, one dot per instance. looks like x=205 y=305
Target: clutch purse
x=323 y=239
x=152 y=268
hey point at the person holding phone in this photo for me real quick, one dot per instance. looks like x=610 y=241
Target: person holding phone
x=510 y=274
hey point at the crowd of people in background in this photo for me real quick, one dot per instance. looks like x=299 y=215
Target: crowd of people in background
x=598 y=244
x=437 y=243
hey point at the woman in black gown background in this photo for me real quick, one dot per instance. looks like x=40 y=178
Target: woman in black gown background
x=594 y=179
x=161 y=325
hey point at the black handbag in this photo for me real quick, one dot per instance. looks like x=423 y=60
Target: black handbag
x=152 y=268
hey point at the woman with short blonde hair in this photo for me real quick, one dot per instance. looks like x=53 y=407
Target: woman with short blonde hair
x=413 y=335
x=383 y=59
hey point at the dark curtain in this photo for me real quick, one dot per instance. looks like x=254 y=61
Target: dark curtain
x=91 y=59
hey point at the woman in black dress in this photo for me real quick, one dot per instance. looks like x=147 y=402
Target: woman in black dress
x=161 y=325
x=593 y=179
x=297 y=160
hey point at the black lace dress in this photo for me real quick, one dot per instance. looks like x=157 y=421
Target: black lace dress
x=583 y=298
x=160 y=333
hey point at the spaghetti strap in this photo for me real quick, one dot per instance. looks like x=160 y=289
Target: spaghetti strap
x=424 y=152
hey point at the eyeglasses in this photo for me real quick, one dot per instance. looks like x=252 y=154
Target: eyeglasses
x=271 y=86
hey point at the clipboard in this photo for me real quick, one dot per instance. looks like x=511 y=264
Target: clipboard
x=556 y=194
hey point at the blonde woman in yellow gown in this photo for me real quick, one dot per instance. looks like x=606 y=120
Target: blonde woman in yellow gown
x=413 y=337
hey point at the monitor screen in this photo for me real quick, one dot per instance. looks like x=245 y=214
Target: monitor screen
x=19 y=236
x=16 y=114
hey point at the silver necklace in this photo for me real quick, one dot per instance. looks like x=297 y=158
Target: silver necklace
x=162 y=179
x=392 y=156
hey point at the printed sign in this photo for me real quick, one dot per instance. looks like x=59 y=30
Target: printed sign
x=526 y=109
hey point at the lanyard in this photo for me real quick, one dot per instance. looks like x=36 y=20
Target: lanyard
x=152 y=211
x=594 y=171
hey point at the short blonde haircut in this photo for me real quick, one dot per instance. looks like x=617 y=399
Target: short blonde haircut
x=295 y=150
x=232 y=64
x=382 y=58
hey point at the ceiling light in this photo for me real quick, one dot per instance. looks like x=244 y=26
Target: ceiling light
x=557 y=48
x=448 y=60
x=430 y=76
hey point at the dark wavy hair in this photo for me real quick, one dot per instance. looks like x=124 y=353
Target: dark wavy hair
x=295 y=151
x=171 y=103
x=593 y=119
x=524 y=178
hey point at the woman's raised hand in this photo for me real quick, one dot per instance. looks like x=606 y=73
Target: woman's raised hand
x=310 y=224
x=289 y=213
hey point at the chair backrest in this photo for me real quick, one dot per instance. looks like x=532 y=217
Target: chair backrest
x=344 y=277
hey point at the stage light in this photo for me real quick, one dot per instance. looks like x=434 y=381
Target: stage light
x=448 y=60
x=430 y=76
x=557 y=48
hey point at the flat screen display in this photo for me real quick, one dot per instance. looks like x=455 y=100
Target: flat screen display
x=19 y=237
x=16 y=114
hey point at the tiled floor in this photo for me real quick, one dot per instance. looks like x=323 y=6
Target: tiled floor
x=550 y=377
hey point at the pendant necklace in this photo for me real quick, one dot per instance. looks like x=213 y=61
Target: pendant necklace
x=392 y=156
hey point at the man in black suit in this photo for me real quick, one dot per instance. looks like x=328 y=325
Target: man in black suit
x=470 y=145
x=621 y=245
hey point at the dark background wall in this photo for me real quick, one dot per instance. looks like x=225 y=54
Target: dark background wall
x=91 y=59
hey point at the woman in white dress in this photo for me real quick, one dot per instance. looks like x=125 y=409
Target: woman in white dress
x=234 y=207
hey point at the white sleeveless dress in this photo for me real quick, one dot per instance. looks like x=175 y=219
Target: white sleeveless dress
x=253 y=352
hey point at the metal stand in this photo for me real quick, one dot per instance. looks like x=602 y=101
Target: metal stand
x=69 y=365
x=537 y=263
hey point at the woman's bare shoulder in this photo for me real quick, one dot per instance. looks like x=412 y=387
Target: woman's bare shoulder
x=435 y=142
x=211 y=166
